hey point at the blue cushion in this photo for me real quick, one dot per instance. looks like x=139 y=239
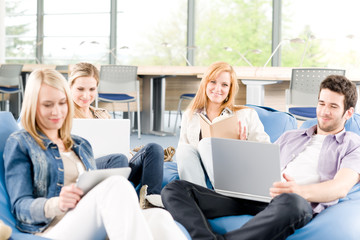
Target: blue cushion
x=275 y=122
x=223 y=225
x=170 y=173
x=183 y=229
x=6 y=119
x=308 y=112
x=337 y=222
x=115 y=97
x=352 y=125
x=188 y=95
x=9 y=89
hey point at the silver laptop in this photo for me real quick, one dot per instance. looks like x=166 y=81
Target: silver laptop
x=106 y=136
x=241 y=169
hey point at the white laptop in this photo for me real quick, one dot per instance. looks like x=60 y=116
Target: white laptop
x=89 y=179
x=106 y=136
x=241 y=169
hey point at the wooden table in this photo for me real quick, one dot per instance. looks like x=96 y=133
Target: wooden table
x=154 y=83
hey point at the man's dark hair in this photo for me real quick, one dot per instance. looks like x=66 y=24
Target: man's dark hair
x=342 y=85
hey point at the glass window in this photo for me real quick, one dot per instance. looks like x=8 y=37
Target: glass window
x=77 y=33
x=153 y=34
x=76 y=6
x=20 y=29
x=329 y=37
x=238 y=32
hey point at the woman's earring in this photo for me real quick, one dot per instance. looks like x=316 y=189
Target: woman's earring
x=227 y=99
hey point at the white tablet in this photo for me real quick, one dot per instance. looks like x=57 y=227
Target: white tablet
x=89 y=179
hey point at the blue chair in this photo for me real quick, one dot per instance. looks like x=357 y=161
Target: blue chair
x=170 y=173
x=185 y=96
x=275 y=122
x=64 y=70
x=8 y=120
x=352 y=125
x=337 y=222
x=11 y=82
x=117 y=83
x=302 y=95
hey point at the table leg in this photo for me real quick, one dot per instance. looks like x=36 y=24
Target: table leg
x=153 y=106
x=255 y=91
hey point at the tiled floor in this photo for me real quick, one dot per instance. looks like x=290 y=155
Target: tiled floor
x=164 y=141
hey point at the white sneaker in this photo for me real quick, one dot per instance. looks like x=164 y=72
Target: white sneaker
x=149 y=201
x=155 y=199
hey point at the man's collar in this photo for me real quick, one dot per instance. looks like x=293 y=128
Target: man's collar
x=338 y=136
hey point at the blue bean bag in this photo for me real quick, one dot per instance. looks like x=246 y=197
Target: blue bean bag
x=275 y=122
x=8 y=125
x=338 y=222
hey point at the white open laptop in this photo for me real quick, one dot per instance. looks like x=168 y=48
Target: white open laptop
x=241 y=169
x=106 y=136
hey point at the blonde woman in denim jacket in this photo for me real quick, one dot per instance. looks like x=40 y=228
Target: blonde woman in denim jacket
x=42 y=163
x=146 y=165
x=215 y=98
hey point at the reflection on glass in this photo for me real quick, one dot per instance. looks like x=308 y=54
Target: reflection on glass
x=20 y=28
x=240 y=25
x=77 y=6
x=331 y=36
x=144 y=30
x=75 y=49
x=73 y=25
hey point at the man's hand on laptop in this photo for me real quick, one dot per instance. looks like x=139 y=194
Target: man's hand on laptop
x=289 y=186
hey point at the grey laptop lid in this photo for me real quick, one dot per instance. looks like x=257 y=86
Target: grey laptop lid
x=241 y=169
x=106 y=136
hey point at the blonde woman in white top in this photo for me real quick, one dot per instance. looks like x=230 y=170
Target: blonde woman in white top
x=215 y=98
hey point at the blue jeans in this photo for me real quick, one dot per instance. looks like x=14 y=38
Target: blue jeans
x=146 y=166
x=192 y=205
x=117 y=160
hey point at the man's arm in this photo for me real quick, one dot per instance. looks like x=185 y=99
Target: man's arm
x=326 y=191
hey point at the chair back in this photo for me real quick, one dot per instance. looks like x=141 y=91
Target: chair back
x=10 y=74
x=305 y=84
x=118 y=79
x=63 y=68
x=8 y=126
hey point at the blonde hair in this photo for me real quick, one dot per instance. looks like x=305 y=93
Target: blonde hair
x=54 y=79
x=82 y=69
x=213 y=71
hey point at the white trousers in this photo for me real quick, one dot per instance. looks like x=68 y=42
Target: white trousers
x=189 y=165
x=112 y=209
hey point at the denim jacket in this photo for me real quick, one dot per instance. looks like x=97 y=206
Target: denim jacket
x=33 y=175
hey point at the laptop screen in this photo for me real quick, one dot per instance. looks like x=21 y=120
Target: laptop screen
x=106 y=136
